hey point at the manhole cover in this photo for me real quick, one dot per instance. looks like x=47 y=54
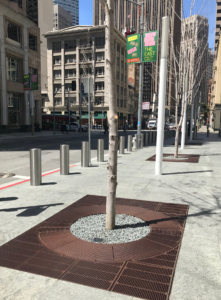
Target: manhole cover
x=127 y=229
x=6 y=175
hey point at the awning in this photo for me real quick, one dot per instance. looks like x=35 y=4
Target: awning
x=98 y=115
x=84 y=116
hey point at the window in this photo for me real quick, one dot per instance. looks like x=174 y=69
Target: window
x=33 y=42
x=125 y=92
x=118 y=48
x=70 y=59
x=73 y=101
x=118 y=103
x=99 y=86
x=122 y=64
x=68 y=86
x=122 y=77
x=13 y=66
x=122 y=51
x=57 y=88
x=13 y=109
x=99 y=71
x=100 y=56
x=57 y=60
x=33 y=71
x=70 y=45
x=122 y=90
x=118 y=75
x=58 y=101
x=13 y=31
x=57 y=47
x=118 y=89
x=70 y=73
x=118 y=61
x=125 y=79
x=125 y=104
x=126 y=66
x=57 y=74
x=100 y=42
x=20 y=3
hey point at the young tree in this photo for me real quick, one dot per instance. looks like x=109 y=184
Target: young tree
x=113 y=121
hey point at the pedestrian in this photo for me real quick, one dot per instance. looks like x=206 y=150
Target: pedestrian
x=105 y=128
x=124 y=129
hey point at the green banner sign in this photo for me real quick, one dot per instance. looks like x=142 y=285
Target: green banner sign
x=133 y=49
x=31 y=82
x=150 y=46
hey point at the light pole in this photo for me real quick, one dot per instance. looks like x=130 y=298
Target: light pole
x=141 y=5
x=54 y=94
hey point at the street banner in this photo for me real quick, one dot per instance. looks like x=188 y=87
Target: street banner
x=146 y=105
x=133 y=49
x=150 y=46
x=27 y=85
x=131 y=76
x=30 y=82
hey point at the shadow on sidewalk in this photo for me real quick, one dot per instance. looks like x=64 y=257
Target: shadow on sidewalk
x=177 y=173
x=30 y=211
x=8 y=199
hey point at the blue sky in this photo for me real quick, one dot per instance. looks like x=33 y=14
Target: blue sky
x=208 y=9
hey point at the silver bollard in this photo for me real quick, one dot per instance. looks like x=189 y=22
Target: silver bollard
x=100 y=150
x=150 y=137
x=137 y=140
x=85 y=155
x=142 y=140
x=64 y=159
x=146 y=139
x=122 y=145
x=35 y=167
x=129 y=143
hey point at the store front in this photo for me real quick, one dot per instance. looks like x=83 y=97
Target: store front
x=99 y=116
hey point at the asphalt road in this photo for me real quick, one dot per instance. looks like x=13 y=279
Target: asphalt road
x=14 y=152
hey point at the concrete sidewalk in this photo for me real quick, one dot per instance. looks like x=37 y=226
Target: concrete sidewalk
x=198 y=271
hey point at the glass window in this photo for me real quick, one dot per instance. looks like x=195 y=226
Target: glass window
x=57 y=60
x=57 y=47
x=100 y=56
x=70 y=73
x=13 y=69
x=13 y=32
x=69 y=59
x=57 y=73
x=70 y=45
x=33 y=42
x=33 y=71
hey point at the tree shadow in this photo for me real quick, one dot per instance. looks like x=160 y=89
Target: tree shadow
x=8 y=199
x=30 y=211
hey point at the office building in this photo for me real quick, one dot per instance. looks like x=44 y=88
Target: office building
x=127 y=16
x=79 y=52
x=20 y=55
x=72 y=6
x=218 y=23
x=62 y=18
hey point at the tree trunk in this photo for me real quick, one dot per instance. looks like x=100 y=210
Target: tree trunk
x=177 y=141
x=113 y=132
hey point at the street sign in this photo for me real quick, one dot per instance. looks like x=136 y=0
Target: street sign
x=30 y=82
x=146 y=105
x=133 y=49
x=150 y=46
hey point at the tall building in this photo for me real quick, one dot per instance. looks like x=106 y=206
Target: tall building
x=79 y=52
x=127 y=15
x=218 y=24
x=210 y=64
x=45 y=21
x=72 y=6
x=20 y=55
x=62 y=18
x=194 y=49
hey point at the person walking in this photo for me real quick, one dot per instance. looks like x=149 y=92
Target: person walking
x=105 y=129
x=124 y=129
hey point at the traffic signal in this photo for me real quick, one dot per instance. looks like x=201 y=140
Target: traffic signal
x=73 y=85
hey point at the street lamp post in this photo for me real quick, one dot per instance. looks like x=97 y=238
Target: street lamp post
x=54 y=94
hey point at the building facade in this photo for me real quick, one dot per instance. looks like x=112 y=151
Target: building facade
x=79 y=52
x=194 y=57
x=20 y=55
x=62 y=18
x=72 y=6
x=127 y=16
x=218 y=23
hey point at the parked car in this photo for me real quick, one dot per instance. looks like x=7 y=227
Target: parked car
x=76 y=127
x=152 y=125
x=172 y=126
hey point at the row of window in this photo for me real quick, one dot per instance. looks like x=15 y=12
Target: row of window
x=99 y=86
x=14 y=69
x=121 y=103
x=72 y=72
x=14 y=33
x=71 y=45
x=123 y=78
x=123 y=90
x=70 y=59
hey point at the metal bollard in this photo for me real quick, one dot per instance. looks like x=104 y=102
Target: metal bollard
x=142 y=140
x=129 y=143
x=207 y=132
x=146 y=138
x=85 y=155
x=122 y=145
x=35 y=167
x=137 y=140
x=100 y=150
x=64 y=159
x=150 y=137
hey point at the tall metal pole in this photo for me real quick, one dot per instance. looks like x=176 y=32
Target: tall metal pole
x=185 y=113
x=89 y=121
x=32 y=112
x=80 y=107
x=140 y=76
x=54 y=111
x=162 y=95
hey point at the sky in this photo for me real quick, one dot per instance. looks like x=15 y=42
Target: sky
x=208 y=10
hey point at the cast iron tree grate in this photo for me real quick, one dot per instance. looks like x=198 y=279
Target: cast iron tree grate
x=143 y=269
x=187 y=158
